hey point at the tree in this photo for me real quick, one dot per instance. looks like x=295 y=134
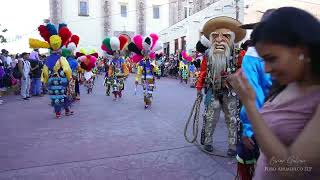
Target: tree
x=2 y=37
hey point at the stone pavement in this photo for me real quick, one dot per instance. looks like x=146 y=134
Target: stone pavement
x=108 y=140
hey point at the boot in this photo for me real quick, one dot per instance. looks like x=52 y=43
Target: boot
x=58 y=115
x=231 y=153
x=68 y=112
x=208 y=148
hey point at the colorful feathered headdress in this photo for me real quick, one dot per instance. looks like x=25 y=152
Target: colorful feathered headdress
x=114 y=44
x=54 y=38
x=186 y=56
x=87 y=58
x=144 y=47
x=70 y=46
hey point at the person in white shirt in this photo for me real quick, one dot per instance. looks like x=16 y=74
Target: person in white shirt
x=24 y=67
x=14 y=61
x=9 y=61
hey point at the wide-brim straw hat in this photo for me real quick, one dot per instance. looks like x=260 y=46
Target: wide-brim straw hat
x=226 y=23
x=264 y=17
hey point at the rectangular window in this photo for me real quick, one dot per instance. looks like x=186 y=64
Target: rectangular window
x=156 y=12
x=176 y=45
x=183 y=43
x=83 y=8
x=185 y=12
x=123 y=10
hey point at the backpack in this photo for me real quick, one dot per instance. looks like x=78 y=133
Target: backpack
x=16 y=73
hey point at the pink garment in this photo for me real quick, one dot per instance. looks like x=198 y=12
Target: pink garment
x=287 y=115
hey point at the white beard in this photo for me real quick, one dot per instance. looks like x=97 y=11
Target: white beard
x=217 y=62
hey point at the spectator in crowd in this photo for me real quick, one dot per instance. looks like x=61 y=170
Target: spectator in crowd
x=36 y=70
x=15 y=61
x=287 y=127
x=25 y=68
x=1 y=75
x=253 y=68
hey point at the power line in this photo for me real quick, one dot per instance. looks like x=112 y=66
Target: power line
x=111 y=15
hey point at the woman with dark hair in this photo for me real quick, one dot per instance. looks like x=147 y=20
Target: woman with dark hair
x=287 y=128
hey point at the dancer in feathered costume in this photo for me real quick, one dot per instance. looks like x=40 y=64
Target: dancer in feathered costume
x=87 y=61
x=118 y=70
x=56 y=71
x=144 y=51
x=184 y=66
x=68 y=51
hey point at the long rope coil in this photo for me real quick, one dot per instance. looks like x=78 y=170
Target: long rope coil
x=195 y=128
x=195 y=115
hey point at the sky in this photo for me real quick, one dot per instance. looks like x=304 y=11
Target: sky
x=21 y=18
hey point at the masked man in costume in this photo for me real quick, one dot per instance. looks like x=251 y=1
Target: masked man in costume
x=220 y=35
x=56 y=71
x=144 y=52
x=118 y=70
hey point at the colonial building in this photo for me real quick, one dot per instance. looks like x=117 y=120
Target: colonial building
x=185 y=28
x=181 y=9
x=184 y=34
x=93 y=20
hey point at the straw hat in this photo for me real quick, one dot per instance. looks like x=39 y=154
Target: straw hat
x=224 y=22
x=264 y=17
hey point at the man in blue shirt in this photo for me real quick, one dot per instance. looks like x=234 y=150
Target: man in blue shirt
x=253 y=69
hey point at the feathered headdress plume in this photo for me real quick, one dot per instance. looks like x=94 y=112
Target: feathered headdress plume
x=146 y=46
x=55 y=37
x=113 y=44
x=87 y=58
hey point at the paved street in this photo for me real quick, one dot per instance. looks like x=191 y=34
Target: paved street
x=108 y=140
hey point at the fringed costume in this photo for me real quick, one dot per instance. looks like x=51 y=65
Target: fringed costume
x=68 y=52
x=220 y=35
x=144 y=52
x=56 y=71
x=118 y=70
x=88 y=61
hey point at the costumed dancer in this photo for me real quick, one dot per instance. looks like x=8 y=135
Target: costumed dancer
x=144 y=51
x=107 y=81
x=192 y=70
x=68 y=52
x=118 y=70
x=87 y=61
x=184 y=65
x=220 y=35
x=56 y=71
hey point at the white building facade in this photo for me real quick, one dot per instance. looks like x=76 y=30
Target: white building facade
x=93 y=20
x=185 y=34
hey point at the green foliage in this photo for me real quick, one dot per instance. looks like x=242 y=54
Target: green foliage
x=2 y=37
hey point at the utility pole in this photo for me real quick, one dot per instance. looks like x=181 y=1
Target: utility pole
x=237 y=10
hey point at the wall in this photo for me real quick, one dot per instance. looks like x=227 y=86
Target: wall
x=89 y=28
x=191 y=26
x=255 y=8
x=120 y=23
x=156 y=25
